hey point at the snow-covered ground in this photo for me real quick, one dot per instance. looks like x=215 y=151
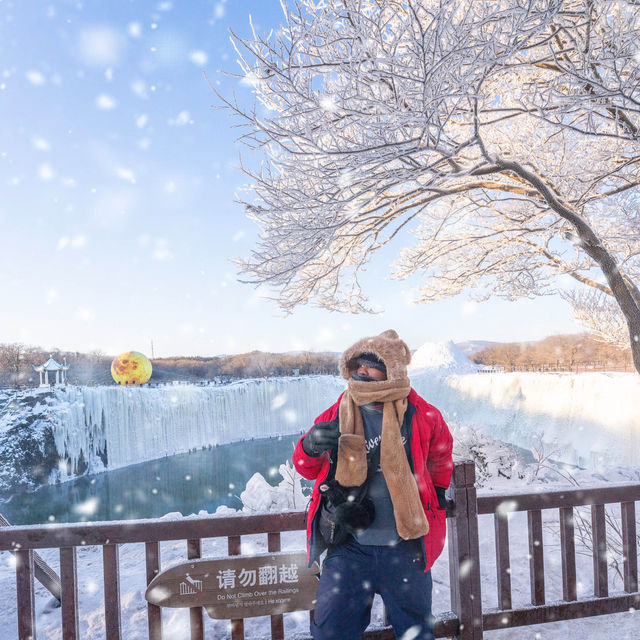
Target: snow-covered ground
x=495 y=462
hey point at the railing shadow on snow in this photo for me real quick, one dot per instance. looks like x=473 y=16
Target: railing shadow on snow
x=466 y=621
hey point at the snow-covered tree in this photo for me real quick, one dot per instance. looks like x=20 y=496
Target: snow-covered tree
x=503 y=134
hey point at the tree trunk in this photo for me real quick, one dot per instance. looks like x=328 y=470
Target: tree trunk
x=590 y=243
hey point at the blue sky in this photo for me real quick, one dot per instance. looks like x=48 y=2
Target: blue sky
x=117 y=187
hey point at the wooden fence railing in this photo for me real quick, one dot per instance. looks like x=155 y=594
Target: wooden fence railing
x=467 y=620
x=560 y=367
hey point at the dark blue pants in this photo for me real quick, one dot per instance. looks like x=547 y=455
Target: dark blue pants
x=353 y=573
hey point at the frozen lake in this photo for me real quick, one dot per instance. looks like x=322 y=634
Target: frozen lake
x=187 y=482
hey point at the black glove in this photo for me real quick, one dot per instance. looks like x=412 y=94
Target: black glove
x=322 y=437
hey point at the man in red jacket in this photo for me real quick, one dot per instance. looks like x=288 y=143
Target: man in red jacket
x=381 y=459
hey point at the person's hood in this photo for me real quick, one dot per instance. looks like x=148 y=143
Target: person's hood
x=387 y=346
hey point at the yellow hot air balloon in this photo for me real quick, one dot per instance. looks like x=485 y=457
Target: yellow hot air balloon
x=131 y=367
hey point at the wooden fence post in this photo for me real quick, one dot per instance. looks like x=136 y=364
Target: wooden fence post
x=464 y=553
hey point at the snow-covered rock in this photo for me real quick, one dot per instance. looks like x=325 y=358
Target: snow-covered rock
x=259 y=495
x=28 y=453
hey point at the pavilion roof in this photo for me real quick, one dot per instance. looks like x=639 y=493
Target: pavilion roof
x=51 y=365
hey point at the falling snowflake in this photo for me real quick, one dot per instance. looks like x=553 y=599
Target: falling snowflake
x=105 y=102
x=134 y=29
x=40 y=143
x=199 y=57
x=183 y=118
x=45 y=172
x=35 y=78
x=100 y=45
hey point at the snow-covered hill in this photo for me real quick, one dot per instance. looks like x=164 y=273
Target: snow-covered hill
x=440 y=358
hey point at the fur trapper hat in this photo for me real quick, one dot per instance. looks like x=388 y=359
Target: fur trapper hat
x=387 y=346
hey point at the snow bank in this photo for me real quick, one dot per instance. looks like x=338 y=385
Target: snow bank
x=585 y=419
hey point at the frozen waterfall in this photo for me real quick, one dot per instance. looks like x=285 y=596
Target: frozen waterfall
x=585 y=419
x=133 y=424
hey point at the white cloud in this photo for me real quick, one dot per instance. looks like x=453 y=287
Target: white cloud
x=141 y=121
x=100 y=45
x=219 y=10
x=199 y=57
x=134 y=29
x=105 y=102
x=126 y=174
x=184 y=117
x=35 y=78
x=170 y=186
x=108 y=74
x=40 y=143
x=46 y=172
x=164 y=6
x=238 y=235
x=69 y=183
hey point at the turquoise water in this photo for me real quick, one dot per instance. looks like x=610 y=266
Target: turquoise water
x=187 y=483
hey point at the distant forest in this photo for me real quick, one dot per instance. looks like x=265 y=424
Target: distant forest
x=572 y=351
x=568 y=351
x=16 y=369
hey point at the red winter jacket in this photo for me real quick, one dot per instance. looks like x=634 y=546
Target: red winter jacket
x=431 y=445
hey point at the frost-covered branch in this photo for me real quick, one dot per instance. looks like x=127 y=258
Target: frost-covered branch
x=503 y=137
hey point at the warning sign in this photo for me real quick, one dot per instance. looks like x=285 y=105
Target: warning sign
x=238 y=586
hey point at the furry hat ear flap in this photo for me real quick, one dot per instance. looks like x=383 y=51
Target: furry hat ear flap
x=387 y=346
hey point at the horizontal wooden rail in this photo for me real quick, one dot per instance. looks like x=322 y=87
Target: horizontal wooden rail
x=557 y=498
x=554 y=611
x=81 y=534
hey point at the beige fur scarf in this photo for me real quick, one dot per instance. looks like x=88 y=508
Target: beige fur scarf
x=351 y=471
